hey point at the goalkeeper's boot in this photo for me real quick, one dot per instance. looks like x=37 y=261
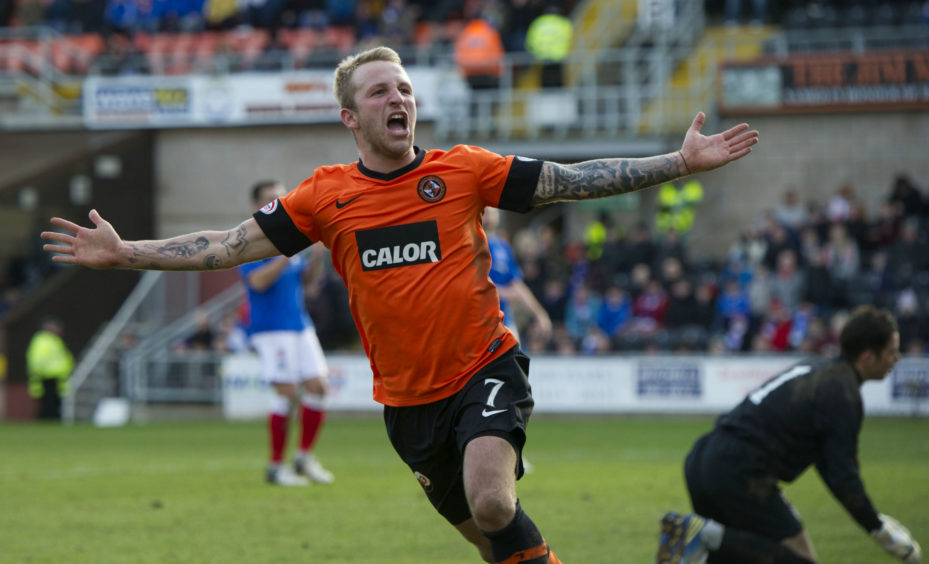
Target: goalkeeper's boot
x=307 y=465
x=281 y=476
x=680 y=541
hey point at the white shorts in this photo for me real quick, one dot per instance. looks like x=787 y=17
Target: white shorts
x=290 y=356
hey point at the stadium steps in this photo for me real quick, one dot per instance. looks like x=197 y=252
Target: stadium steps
x=600 y=24
x=716 y=45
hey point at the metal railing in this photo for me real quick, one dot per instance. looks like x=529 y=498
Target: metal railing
x=135 y=355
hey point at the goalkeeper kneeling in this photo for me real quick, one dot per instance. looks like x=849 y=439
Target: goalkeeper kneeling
x=809 y=414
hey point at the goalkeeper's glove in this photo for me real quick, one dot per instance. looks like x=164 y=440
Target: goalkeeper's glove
x=897 y=540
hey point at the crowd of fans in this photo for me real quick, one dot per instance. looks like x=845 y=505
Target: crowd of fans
x=784 y=285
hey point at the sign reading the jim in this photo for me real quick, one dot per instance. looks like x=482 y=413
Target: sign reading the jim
x=828 y=81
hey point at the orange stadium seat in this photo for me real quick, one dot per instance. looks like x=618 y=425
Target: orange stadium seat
x=340 y=38
x=206 y=44
x=19 y=55
x=74 y=54
x=249 y=44
x=300 y=42
x=425 y=34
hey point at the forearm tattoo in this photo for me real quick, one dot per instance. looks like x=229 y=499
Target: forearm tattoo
x=604 y=177
x=173 y=255
x=235 y=241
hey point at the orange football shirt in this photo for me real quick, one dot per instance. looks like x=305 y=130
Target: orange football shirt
x=411 y=250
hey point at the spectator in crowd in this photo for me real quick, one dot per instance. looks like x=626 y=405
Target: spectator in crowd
x=774 y=331
x=520 y=15
x=203 y=338
x=581 y=312
x=818 y=286
x=49 y=364
x=788 y=282
x=840 y=204
x=885 y=228
x=907 y=196
x=478 y=52
x=790 y=211
x=734 y=11
x=640 y=248
x=914 y=326
x=683 y=308
x=649 y=308
x=732 y=302
x=614 y=312
x=548 y=39
x=555 y=300
x=908 y=256
x=841 y=254
x=810 y=246
x=778 y=239
x=879 y=279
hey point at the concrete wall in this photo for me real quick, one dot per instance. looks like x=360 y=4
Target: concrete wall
x=816 y=154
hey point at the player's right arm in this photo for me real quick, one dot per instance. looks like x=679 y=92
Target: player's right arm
x=101 y=247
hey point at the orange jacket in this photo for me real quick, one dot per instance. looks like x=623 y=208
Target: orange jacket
x=479 y=50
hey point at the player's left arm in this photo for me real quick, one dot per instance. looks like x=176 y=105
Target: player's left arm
x=837 y=420
x=607 y=177
x=518 y=292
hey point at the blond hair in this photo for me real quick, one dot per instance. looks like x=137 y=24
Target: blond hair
x=342 y=86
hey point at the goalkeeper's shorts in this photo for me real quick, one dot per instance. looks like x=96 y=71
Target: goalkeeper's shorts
x=729 y=481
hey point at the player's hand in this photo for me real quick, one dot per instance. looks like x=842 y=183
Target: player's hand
x=96 y=248
x=702 y=153
x=897 y=540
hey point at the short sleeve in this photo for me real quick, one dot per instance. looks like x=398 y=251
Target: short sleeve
x=280 y=229
x=505 y=182
x=521 y=182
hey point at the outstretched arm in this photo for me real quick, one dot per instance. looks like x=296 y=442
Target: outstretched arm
x=607 y=177
x=101 y=247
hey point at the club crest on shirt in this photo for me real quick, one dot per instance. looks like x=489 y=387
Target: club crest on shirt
x=431 y=188
x=269 y=207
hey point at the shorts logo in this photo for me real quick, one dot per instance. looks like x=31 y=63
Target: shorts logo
x=399 y=245
x=431 y=189
x=424 y=481
x=269 y=208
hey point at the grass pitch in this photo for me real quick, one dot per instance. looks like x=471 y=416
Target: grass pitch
x=194 y=492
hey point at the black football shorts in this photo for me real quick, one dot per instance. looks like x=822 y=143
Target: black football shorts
x=731 y=482
x=431 y=438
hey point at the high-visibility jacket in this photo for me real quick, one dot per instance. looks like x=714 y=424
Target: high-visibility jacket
x=479 y=50
x=549 y=38
x=676 y=206
x=47 y=357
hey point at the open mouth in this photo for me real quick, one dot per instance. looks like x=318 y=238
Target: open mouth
x=397 y=122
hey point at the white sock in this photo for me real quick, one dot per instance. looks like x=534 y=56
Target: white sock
x=712 y=534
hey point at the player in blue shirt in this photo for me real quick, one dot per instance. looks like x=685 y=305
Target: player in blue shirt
x=508 y=278
x=291 y=357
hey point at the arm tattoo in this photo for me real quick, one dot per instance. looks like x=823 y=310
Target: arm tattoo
x=185 y=249
x=151 y=254
x=604 y=177
x=237 y=244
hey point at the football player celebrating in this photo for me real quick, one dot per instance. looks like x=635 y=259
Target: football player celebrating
x=403 y=225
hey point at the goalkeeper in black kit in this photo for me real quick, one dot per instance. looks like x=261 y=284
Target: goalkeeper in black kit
x=810 y=413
